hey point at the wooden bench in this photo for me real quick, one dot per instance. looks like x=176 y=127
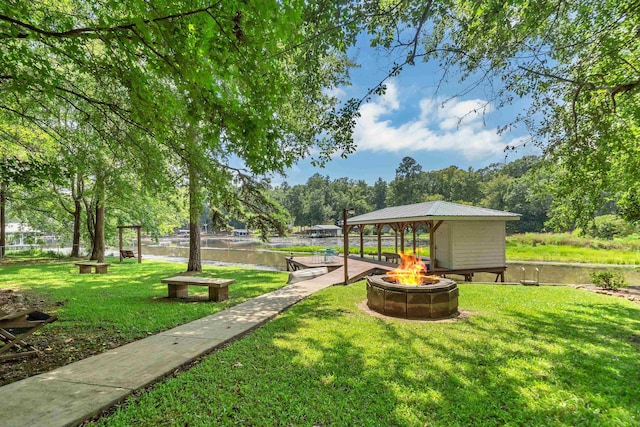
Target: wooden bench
x=218 y=288
x=127 y=254
x=100 y=267
x=390 y=257
x=468 y=273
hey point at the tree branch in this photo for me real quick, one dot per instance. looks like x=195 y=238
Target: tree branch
x=78 y=32
x=423 y=18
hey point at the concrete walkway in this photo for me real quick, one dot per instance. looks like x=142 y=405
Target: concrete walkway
x=79 y=391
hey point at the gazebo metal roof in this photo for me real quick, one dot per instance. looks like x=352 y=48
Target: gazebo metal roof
x=326 y=227
x=430 y=211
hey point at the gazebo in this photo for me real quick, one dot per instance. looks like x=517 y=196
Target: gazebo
x=463 y=239
x=324 y=231
x=138 y=228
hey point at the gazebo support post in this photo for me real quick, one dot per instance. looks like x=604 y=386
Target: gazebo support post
x=414 y=226
x=345 y=248
x=378 y=232
x=403 y=227
x=361 y=227
x=345 y=233
x=120 y=251
x=139 y=245
x=395 y=233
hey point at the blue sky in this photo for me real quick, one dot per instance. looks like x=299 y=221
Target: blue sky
x=422 y=118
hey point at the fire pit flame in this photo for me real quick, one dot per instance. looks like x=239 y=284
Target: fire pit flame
x=411 y=272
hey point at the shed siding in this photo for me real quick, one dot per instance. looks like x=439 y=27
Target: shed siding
x=443 y=246
x=477 y=244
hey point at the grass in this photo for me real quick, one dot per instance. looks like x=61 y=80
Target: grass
x=564 y=253
x=628 y=243
x=565 y=247
x=29 y=255
x=99 y=311
x=552 y=356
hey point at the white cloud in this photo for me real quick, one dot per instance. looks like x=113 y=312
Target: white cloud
x=456 y=125
x=336 y=92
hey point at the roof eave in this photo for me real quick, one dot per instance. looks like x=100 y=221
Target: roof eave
x=350 y=221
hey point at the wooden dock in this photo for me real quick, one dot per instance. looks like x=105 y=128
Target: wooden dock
x=361 y=267
x=302 y=262
x=357 y=268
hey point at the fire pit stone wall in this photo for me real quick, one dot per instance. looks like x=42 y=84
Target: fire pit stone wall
x=435 y=301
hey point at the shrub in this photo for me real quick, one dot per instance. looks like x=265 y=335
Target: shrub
x=608 y=280
x=610 y=226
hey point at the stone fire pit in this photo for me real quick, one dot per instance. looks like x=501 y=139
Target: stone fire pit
x=429 y=301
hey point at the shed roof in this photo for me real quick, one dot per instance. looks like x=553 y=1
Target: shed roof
x=326 y=227
x=428 y=211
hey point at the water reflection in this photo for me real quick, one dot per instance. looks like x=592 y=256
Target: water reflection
x=560 y=273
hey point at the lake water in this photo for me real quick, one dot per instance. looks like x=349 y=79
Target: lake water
x=248 y=251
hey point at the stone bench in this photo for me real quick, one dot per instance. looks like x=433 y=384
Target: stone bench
x=218 y=288
x=100 y=267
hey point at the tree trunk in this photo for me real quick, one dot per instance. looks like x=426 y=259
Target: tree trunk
x=99 y=245
x=195 y=207
x=76 y=191
x=3 y=218
x=95 y=220
x=77 y=223
x=89 y=209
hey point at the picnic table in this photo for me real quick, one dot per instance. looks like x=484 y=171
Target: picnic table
x=100 y=267
x=218 y=288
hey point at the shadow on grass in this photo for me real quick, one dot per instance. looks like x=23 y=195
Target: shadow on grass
x=324 y=362
x=99 y=311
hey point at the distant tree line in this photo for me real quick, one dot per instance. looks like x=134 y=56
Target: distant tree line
x=522 y=186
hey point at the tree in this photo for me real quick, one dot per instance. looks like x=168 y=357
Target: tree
x=379 y=194
x=24 y=161
x=248 y=80
x=406 y=187
x=578 y=63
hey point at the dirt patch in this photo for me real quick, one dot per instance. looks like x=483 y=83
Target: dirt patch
x=11 y=301
x=57 y=346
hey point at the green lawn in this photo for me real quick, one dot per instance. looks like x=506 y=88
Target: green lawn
x=130 y=300
x=100 y=311
x=565 y=253
x=526 y=356
x=29 y=255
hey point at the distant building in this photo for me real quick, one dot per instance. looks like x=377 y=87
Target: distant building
x=240 y=232
x=17 y=232
x=182 y=233
x=325 y=231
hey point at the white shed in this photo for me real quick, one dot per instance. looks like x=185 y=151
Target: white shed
x=463 y=239
x=470 y=244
